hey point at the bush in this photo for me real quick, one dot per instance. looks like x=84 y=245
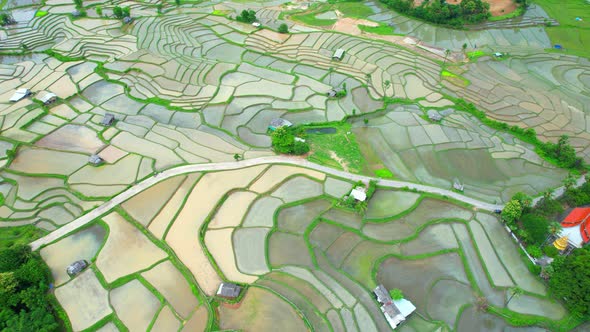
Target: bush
x=536 y=227
x=6 y=19
x=99 y=10
x=534 y=251
x=551 y=251
x=283 y=28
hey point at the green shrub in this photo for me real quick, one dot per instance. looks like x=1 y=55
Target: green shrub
x=99 y=10
x=283 y=28
x=551 y=251
x=41 y=13
x=534 y=251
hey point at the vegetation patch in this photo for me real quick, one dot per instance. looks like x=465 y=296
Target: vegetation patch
x=384 y=173
x=354 y=9
x=41 y=13
x=381 y=29
x=19 y=235
x=338 y=149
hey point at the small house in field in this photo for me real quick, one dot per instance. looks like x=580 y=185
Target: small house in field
x=498 y=55
x=279 y=123
x=334 y=92
x=95 y=160
x=359 y=194
x=108 y=120
x=76 y=267
x=338 y=55
x=228 y=290
x=48 y=98
x=395 y=311
x=457 y=185
x=256 y=24
x=434 y=115
x=20 y=94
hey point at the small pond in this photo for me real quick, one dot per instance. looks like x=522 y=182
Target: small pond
x=324 y=130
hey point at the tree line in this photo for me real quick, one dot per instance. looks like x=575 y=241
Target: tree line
x=440 y=12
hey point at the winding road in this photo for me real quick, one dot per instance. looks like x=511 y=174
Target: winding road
x=296 y=161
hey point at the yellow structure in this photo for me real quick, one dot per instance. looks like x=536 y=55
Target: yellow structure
x=561 y=243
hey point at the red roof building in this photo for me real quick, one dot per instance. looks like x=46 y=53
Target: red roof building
x=577 y=226
x=575 y=217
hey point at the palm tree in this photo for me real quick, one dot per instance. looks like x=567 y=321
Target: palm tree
x=554 y=228
x=447 y=53
x=514 y=292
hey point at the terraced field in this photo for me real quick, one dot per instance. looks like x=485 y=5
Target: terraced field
x=189 y=85
x=276 y=229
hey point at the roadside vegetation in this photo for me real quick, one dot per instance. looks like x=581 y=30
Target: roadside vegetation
x=24 y=284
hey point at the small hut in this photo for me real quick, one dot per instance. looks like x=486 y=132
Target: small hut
x=359 y=194
x=334 y=92
x=108 y=119
x=228 y=290
x=20 y=94
x=127 y=20
x=95 y=160
x=48 y=98
x=76 y=267
x=279 y=123
x=434 y=115
x=457 y=185
x=395 y=311
x=338 y=55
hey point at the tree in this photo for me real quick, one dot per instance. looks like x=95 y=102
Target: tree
x=524 y=199
x=78 y=4
x=447 y=53
x=571 y=281
x=177 y=2
x=6 y=19
x=99 y=11
x=514 y=292
x=512 y=211
x=126 y=11
x=159 y=8
x=569 y=181
x=554 y=228
x=536 y=226
x=283 y=28
x=464 y=47
x=386 y=85
x=237 y=157
x=366 y=121
x=396 y=294
x=118 y=12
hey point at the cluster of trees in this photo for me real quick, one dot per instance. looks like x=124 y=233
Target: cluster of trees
x=570 y=280
x=24 y=285
x=440 y=12
x=284 y=141
x=247 y=16
x=6 y=19
x=122 y=12
x=564 y=153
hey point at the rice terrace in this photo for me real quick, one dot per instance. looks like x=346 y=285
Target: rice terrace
x=276 y=165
